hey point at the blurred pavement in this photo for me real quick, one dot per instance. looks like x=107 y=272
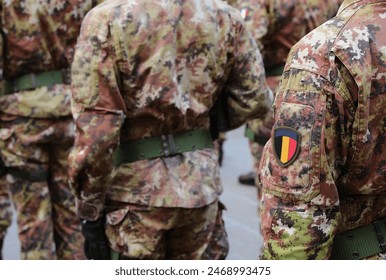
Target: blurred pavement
x=241 y=219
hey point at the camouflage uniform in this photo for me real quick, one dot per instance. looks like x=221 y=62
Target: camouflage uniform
x=36 y=127
x=5 y=212
x=323 y=170
x=277 y=25
x=149 y=68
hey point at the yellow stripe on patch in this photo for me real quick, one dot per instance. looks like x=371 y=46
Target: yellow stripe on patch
x=284 y=149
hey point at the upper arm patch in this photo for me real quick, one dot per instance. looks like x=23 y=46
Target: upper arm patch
x=286 y=144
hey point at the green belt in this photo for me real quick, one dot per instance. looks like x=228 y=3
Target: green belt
x=162 y=146
x=255 y=138
x=114 y=255
x=275 y=71
x=32 y=176
x=361 y=242
x=32 y=81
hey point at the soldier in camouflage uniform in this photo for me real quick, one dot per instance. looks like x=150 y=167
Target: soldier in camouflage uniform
x=323 y=171
x=277 y=25
x=36 y=127
x=5 y=212
x=145 y=77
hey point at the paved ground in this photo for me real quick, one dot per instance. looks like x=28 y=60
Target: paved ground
x=11 y=243
x=241 y=220
x=241 y=217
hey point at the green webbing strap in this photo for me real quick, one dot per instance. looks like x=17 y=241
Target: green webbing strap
x=249 y=134
x=114 y=255
x=361 y=242
x=32 y=81
x=162 y=146
x=255 y=138
x=275 y=71
x=32 y=176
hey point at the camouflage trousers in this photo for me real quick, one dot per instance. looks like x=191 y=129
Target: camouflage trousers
x=5 y=211
x=145 y=232
x=218 y=246
x=5 y=208
x=48 y=227
x=219 y=147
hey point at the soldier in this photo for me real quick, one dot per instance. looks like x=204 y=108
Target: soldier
x=277 y=26
x=145 y=77
x=36 y=126
x=5 y=212
x=323 y=170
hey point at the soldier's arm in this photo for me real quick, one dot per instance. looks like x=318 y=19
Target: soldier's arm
x=248 y=95
x=301 y=164
x=257 y=19
x=98 y=112
x=1 y=51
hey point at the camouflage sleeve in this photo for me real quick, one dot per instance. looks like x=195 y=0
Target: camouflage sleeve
x=256 y=18
x=1 y=48
x=300 y=165
x=249 y=96
x=98 y=110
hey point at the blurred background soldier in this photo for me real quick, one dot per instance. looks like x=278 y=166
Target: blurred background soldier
x=277 y=25
x=5 y=211
x=36 y=127
x=146 y=75
x=323 y=172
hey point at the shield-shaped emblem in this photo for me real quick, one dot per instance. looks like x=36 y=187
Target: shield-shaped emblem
x=286 y=145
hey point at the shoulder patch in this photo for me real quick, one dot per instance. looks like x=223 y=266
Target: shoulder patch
x=286 y=145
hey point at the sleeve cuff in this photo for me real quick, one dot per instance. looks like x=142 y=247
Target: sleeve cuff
x=87 y=211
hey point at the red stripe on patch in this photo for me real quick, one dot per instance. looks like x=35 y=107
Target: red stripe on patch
x=292 y=148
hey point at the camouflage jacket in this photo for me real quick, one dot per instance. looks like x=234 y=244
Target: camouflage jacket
x=38 y=36
x=149 y=68
x=324 y=169
x=278 y=24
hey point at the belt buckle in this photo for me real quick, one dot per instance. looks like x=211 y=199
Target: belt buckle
x=66 y=76
x=33 y=80
x=168 y=145
x=380 y=235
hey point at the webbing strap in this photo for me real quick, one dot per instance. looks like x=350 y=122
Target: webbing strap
x=114 y=255
x=35 y=80
x=117 y=256
x=32 y=176
x=162 y=146
x=361 y=242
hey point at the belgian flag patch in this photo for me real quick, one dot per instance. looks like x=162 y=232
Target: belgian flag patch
x=286 y=145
